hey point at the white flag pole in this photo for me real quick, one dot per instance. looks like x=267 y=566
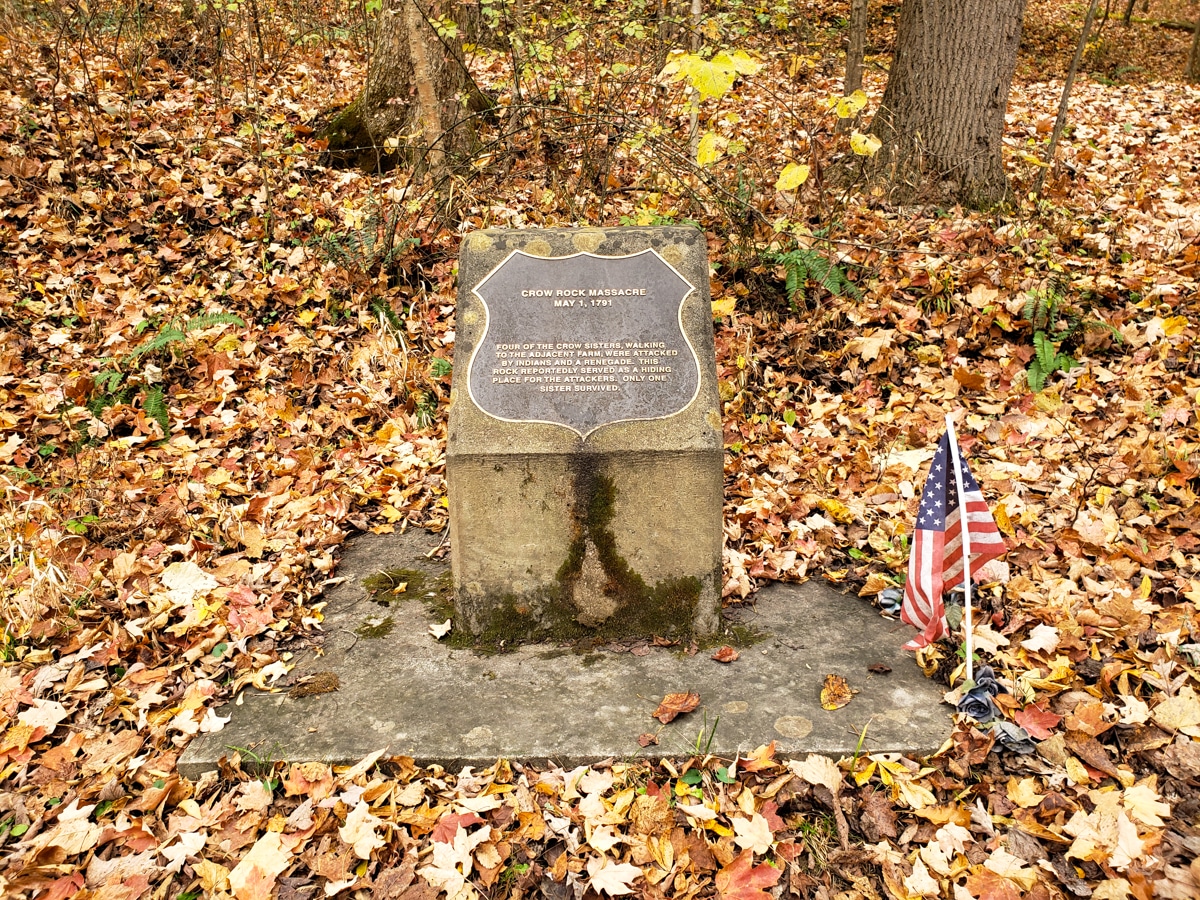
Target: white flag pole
x=965 y=531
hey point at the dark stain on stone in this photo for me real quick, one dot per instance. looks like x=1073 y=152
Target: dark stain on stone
x=621 y=603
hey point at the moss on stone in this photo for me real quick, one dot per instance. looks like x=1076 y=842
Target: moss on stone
x=375 y=628
x=393 y=583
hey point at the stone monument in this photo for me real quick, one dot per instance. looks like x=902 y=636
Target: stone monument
x=584 y=456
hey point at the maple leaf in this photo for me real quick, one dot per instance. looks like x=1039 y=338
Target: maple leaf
x=359 y=830
x=1037 y=721
x=254 y=877
x=447 y=826
x=759 y=759
x=753 y=834
x=920 y=882
x=1142 y=801
x=725 y=654
x=742 y=880
x=452 y=862
x=1042 y=639
x=674 y=705
x=612 y=878
x=817 y=769
x=43 y=714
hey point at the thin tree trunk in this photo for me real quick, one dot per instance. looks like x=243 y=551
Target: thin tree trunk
x=428 y=106
x=856 y=47
x=1128 y=17
x=1061 y=120
x=941 y=121
x=1193 y=65
x=855 y=50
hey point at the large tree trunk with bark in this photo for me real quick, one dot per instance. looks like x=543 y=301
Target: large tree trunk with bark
x=411 y=108
x=942 y=116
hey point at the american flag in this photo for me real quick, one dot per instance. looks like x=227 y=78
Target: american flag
x=935 y=564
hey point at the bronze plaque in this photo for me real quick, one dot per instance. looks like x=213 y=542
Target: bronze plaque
x=583 y=341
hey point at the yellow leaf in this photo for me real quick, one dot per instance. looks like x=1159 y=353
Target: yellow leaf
x=837 y=509
x=710 y=78
x=723 y=307
x=847 y=107
x=865 y=144
x=792 y=176
x=306 y=317
x=710 y=148
x=1024 y=792
x=1003 y=522
x=1174 y=325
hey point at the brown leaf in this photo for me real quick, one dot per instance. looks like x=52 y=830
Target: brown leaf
x=876 y=817
x=836 y=693
x=971 y=380
x=645 y=740
x=676 y=705
x=878 y=669
x=726 y=655
x=1092 y=752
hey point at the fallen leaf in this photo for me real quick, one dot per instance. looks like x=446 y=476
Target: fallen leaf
x=753 y=834
x=725 y=655
x=674 y=705
x=836 y=692
x=1037 y=721
x=742 y=880
x=611 y=878
x=360 y=830
x=254 y=877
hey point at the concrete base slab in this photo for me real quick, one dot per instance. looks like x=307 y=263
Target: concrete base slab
x=417 y=696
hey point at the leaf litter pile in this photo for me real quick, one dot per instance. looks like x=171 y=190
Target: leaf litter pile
x=213 y=370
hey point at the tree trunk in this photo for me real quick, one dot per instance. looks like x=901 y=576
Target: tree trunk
x=942 y=116
x=856 y=48
x=1193 y=65
x=409 y=110
x=1128 y=17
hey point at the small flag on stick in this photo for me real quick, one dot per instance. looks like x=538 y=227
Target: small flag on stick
x=935 y=564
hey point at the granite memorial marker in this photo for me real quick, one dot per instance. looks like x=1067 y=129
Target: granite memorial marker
x=584 y=459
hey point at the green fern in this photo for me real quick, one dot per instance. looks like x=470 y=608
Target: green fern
x=380 y=307
x=369 y=248
x=208 y=320
x=803 y=266
x=1047 y=359
x=156 y=408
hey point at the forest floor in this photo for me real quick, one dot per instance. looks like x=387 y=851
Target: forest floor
x=220 y=357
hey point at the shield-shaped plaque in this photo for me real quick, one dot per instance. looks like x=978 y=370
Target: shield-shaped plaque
x=583 y=341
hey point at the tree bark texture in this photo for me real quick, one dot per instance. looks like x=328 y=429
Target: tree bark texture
x=1193 y=65
x=856 y=48
x=412 y=93
x=942 y=116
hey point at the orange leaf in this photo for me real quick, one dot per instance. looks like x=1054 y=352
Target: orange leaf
x=742 y=880
x=725 y=655
x=972 y=381
x=676 y=705
x=1037 y=721
x=762 y=758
